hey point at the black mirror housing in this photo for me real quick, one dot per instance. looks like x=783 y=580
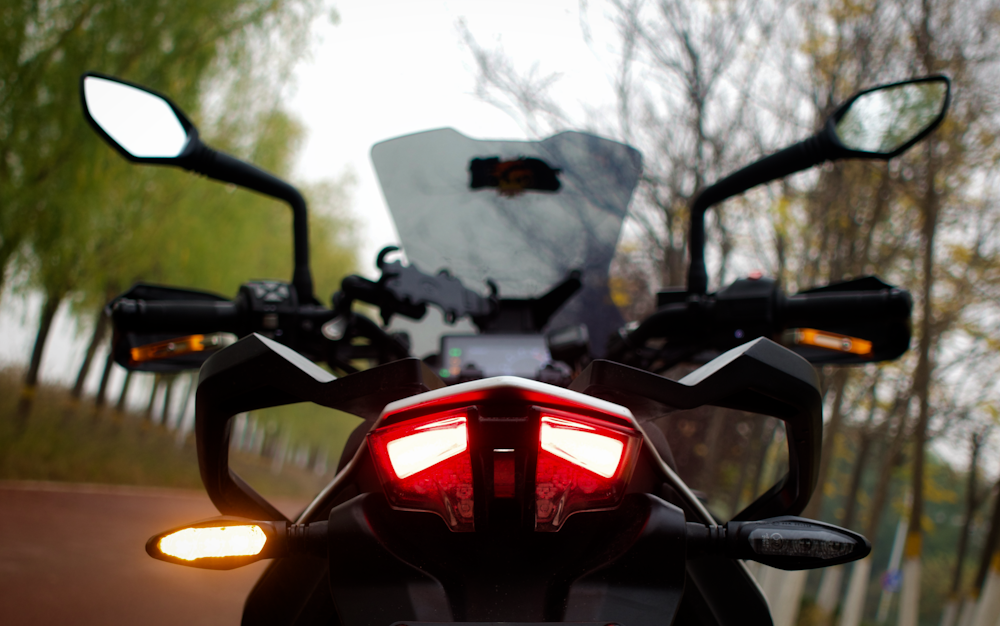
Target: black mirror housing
x=832 y=133
x=825 y=145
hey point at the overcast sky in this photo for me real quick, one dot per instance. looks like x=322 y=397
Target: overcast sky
x=396 y=68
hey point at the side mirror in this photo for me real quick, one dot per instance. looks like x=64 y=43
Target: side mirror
x=877 y=123
x=146 y=127
x=885 y=121
x=141 y=124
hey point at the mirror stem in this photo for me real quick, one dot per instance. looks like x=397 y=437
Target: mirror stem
x=795 y=158
x=229 y=169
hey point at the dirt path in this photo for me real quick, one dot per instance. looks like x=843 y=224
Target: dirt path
x=74 y=554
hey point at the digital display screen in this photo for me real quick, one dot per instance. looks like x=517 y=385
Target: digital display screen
x=494 y=355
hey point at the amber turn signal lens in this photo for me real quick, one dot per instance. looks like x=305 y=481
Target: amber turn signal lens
x=179 y=346
x=221 y=541
x=831 y=341
x=224 y=542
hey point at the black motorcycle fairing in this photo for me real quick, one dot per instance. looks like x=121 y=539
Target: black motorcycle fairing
x=257 y=373
x=761 y=377
x=396 y=531
x=624 y=565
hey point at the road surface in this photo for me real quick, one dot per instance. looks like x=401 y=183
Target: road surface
x=75 y=554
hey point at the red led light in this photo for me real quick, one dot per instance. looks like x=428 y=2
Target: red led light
x=583 y=464
x=427 y=446
x=581 y=445
x=424 y=465
x=562 y=460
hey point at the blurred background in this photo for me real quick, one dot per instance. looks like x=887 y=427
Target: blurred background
x=303 y=88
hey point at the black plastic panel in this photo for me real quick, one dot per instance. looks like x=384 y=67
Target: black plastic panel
x=761 y=377
x=257 y=373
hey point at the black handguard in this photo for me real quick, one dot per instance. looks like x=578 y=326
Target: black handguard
x=858 y=321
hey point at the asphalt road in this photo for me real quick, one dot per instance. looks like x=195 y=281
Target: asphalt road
x=75 y=554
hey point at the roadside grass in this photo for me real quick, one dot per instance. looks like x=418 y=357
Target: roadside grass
x=72 y=441
x=67 y=441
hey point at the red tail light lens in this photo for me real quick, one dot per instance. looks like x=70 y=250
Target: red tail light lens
x=582 y=464
x=424 y=465
x=581 y=445
x=540 y=454
x=427 y=446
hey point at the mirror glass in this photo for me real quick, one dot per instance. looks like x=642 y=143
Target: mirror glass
x=884 y=120
x=289 y=453
x=729 y=458
x=138 y=121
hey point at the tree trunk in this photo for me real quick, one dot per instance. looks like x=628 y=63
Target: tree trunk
x=857 y=475
x=152 y=397
x=855 y=605
x=27 y=400
x=8 y=246
x=185 y=423
x=736 y=496
x=970 y=511
x=830 y=431
x=861 y=572
x=100 y=329
x=909 y=599
x=830 y=589
x=121 y=405
x=950 y=614
x=990 y=556
x=988 y=607
x=168 y=393
x=102 y=389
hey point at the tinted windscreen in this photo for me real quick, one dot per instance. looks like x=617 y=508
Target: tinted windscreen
x=729 y=458
x=523 y=239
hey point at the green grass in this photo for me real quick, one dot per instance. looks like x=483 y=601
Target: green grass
x=62 y=440
x=69 y=441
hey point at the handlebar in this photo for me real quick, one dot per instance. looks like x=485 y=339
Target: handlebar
x=177 y=316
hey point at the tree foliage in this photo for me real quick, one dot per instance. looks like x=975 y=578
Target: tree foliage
x=703 y=86
x=77 y=222
x=73 y=216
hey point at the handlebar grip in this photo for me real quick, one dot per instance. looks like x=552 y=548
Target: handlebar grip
x=811 y=309
x=179 y=316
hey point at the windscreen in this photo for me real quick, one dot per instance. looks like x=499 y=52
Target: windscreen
x=523 y=214
x=728 y=457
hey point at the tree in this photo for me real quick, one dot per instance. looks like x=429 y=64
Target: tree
x=74 y=217
x=926 y=221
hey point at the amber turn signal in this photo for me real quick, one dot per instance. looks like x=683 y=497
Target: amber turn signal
x=831 y=341
x=179 y=346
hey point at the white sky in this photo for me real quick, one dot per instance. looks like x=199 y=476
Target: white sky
x=396 y=68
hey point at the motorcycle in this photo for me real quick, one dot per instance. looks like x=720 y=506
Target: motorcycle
x=521 y=473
